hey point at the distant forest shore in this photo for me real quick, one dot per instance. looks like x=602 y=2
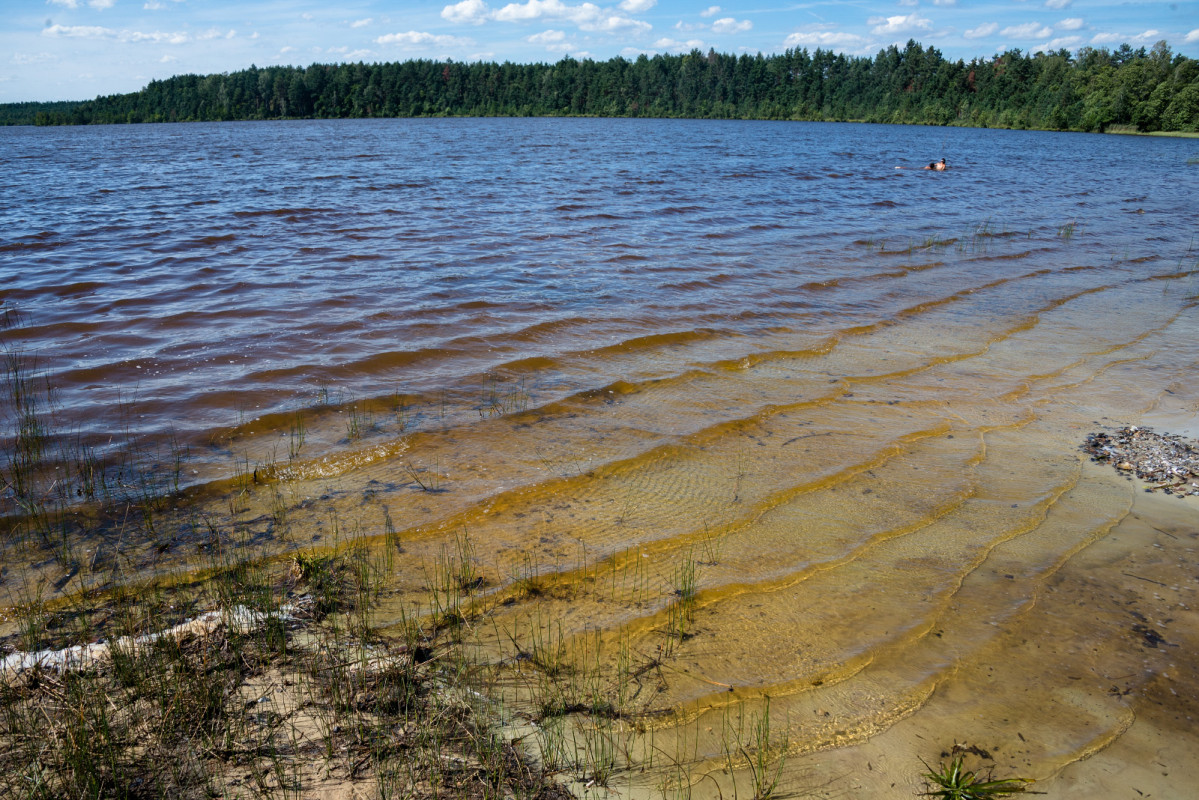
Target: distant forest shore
x=1091 y=90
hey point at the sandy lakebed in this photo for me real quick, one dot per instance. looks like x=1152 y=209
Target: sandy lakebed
x=687 y=459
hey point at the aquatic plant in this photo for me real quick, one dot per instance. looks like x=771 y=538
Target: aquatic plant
x=952 y=782
x=763 y=749
x=499 y=398
x=428 y=479
x=361 y=420
x=296 y=435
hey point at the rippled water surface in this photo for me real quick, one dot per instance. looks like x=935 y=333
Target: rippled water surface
x=833 y=404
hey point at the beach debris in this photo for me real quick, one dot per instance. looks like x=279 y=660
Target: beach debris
x=1167 y=462
x=84 y=656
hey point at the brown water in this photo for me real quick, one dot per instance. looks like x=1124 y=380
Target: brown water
x=719 y=411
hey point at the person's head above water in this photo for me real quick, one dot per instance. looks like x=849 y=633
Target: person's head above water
x=938 y=165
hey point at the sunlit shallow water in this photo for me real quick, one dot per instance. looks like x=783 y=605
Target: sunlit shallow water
x=719 y=411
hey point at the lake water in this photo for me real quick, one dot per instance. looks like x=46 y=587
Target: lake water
x=837 y=403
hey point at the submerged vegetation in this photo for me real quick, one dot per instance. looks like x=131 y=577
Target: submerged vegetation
x=1091 y=90
x=159 y=639
x=130 y=668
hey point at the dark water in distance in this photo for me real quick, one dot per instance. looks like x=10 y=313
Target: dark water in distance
x=220 y=271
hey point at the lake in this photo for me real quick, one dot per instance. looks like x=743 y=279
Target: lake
x=793 y=427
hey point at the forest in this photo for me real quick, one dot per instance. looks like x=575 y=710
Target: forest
x=1090 y=90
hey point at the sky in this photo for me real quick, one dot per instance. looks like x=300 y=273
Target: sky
x=78 y=49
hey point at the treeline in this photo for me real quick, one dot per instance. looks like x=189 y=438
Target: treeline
x=1090 y=91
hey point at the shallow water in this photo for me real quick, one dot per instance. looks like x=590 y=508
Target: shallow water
x=835 y=404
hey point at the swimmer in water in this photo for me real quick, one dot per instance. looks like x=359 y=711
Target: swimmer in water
x=939 y=166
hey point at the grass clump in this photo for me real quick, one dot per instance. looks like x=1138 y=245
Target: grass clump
x=286 y=691
x=951 y=781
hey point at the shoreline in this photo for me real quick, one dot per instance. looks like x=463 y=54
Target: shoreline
x=1117 y=130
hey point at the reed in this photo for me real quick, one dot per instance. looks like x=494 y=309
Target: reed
x=499 y=397
x=402 y=409
x=711 y=545
x=450 y=584
x=428 y=479
x=360 y=420
x=296 y=435
x=272 y=708
x=766 y=754
x=290 y=686
x=681 y=612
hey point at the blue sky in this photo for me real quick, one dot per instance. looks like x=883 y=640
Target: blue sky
x=77 y=49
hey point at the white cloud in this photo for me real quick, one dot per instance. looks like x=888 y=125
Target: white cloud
x=415 y=38
x=535 y=9
x=945 y=2
x=167 y=59
x=1058 y=4
x=909 y=3
x=887 y=26
x=710 y=11
x=100 y=5
x=1193 y=36
x=215 y=33
x=730 y=25
x=361 y=23
x=587 y=16
x=615 y=23
x=823 y=39
x=547 y=37
x=287 y=49
x=1029 y=30
x=347 y=54
x=982 y=31
x=33 y=58
x=153 y=5
x=1151 y=35
x=158 y=37
x=474 y=12
x=679 y=47
x=637 y=6
x=79 y=32
x=98 y=32
x=1070 y=24
x=1068 y=42
x=63 y=3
